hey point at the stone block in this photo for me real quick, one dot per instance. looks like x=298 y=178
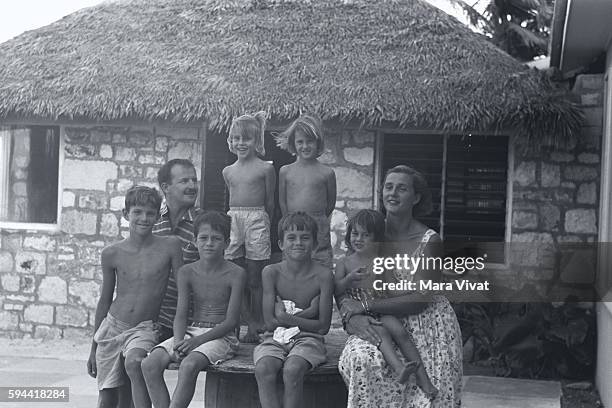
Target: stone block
x=591 y=99
x=587 y=193
x=568 y=184
x=591 y=136
x=148 y=158
x=589 y=158
x=359 y=205
x=161 y=144
x=77 y=334
x=140 y=138
x=338 y=221
x=339 y=204
x=328 y=157
x=31 y=262
x=93 y=201
x=151 y=173
x=538 y=274
x=27 y=283
x=101 y=135
x=19 y=298
x=47 y=332
x=79 y=222
x=89 y=254
x=127 y=154
x=178 y=132
x=561 y=157
x=20 y=189
x=71 y=316
x=564 y=239
x=593 y=116
x=53 y=289
x=524 y=220
x=361 y=156
x=119 y=138
x=13 y=306
x=10 y=282
x=9 y=320
x=531 y=238
x=551 y=175
x=87 y=292
x=68 y=199
x=126 y=170
x=40 y=243
x=363 y=137
x=109 y=226
x=581 y=221
x=588 y=82
x=80 y=151
x=117 y=203
x=580 y=173
x=185 y=150
x=106 y=152
x=76 y=135
x=353 y=184
x=38 y=314
x=578 y=266
x=26 y=328
x=6 y=262
x=88 y=174
x=524 y=174
x=550 y=217
x=87 y=272
x=123 y=185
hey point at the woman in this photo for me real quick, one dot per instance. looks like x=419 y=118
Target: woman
x=429 y=318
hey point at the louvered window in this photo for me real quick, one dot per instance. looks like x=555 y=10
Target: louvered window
x=468 y=178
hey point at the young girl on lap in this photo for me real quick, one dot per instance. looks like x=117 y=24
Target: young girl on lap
x=354 y=279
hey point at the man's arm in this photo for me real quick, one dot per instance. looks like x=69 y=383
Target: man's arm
x=282 y=189
x=323 y=321
x=183 y=286
x=176 y=255
x=270 y=176
x=104 y=303
x=331 y=193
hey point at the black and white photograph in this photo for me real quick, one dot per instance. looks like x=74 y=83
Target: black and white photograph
x=306 y=203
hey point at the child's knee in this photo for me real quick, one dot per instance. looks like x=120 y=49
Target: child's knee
x=266 y=369
x=152 y=365
x=133 y=363
x=193 y=364
x=294 y=371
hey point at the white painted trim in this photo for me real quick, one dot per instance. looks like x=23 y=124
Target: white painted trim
x=604 y=258
x=34 y=226
x=565 y=24
x=379 y=145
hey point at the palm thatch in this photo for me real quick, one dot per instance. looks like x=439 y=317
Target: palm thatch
x=398 y=61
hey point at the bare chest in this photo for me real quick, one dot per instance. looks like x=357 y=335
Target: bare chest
x=300 y=290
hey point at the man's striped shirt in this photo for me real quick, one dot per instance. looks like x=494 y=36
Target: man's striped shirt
x=184 y=232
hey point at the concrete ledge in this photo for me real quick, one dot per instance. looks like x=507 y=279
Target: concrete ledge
x=500 y=392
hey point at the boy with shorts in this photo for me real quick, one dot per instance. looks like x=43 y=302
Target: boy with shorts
x=297 y=307
x=308 y=185
x=216 y=287
x=139 y=267
x=251 y=183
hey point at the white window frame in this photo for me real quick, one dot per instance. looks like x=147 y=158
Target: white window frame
x=379 y=144
x=37 y=226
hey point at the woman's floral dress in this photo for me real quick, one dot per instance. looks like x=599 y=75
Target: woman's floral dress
x=436 y=334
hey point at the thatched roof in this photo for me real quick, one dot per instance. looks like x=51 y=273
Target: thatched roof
x=401 y=61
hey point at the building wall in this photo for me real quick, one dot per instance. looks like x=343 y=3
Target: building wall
x=50 y=282
x=604 y=309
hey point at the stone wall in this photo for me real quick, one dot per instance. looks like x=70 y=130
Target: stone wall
x=555 y=204
x=50 y=282
x=350 y=152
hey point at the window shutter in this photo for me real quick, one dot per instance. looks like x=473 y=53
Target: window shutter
x=424 y=153
x=475 y=196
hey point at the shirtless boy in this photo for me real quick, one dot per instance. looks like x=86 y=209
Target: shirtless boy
x=297 y=283
x=251 y=183
x=139 y=267
x=307 y=184
x=216 y=287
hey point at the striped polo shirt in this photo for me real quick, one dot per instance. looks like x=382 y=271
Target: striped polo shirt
x=184 y=232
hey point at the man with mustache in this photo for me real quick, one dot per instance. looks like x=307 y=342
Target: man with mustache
x=179 y=183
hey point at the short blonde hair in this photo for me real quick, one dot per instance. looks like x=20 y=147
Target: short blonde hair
x=311 y=125
x=255 y=125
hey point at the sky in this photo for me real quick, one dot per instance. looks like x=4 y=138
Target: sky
x=24 y=15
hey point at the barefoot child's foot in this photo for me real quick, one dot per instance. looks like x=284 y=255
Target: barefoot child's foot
x=409 y=369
